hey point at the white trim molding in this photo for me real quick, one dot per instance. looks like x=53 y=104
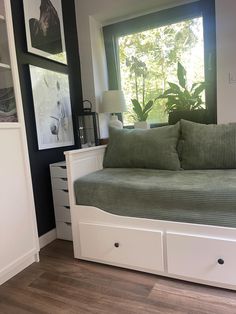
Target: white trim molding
x=47 y=238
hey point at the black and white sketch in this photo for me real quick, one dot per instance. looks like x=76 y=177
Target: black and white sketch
x=44 y=28
x=52 y=108
x=7 y=105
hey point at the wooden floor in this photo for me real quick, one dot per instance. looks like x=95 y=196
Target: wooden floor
x=60 y=284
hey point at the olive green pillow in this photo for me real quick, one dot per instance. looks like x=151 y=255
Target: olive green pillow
x=153 y=148
x=208 y=146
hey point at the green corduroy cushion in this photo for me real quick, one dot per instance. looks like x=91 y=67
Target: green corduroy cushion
x=208 y=146
x=153 y=148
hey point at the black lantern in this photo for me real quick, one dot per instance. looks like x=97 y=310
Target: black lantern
x=88 y=126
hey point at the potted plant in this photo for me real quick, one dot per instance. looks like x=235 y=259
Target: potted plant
x=184 y=101
x=141 y=113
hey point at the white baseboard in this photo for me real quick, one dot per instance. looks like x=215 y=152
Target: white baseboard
x=47 y=238
x=18 y=265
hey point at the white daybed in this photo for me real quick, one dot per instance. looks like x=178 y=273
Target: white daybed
x=194 y=252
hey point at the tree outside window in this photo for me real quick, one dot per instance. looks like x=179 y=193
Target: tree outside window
x=148 y=60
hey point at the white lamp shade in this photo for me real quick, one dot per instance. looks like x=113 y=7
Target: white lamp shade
x=113 y=101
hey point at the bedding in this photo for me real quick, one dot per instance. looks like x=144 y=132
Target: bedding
x=153 y=148
x=191 y=196
x=208 y=146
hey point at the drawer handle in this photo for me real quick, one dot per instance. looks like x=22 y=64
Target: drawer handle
x=116 y=244
x=63 y=179
x=67 y=207
x=66 y=191
x=68 y=223
x=221 y=261
x=63 y=167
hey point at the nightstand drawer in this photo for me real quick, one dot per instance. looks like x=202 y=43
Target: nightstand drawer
x=61 y=200
x=59 y=184
x=62 y=213
x=61 y=197
x=58 y=172
x=64 y=231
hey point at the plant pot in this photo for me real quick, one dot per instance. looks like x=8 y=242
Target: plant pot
x=199 y=116
x=141 y=125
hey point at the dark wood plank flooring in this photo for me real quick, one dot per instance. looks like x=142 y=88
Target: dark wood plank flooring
x=60 y=284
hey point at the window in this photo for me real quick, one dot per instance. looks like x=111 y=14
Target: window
x=142 y=55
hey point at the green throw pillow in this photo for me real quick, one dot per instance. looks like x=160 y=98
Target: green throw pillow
x=153 y=148
x=208 y=146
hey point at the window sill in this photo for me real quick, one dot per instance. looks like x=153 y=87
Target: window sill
x=152 y=125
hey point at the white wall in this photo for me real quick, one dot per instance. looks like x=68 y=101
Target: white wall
x=92 y=15
x=226 y=59
x=99 y=71
x=92 y=58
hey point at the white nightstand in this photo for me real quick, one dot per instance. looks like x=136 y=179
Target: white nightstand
x=61 y=200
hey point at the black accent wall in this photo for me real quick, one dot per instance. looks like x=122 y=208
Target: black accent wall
x=40 y=159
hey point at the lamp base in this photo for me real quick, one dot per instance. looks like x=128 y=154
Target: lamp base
x=115 y=123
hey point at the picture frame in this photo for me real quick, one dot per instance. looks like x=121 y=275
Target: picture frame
x=45 y=29
x=52 y=108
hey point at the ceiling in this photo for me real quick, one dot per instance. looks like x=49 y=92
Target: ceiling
x=110 y=11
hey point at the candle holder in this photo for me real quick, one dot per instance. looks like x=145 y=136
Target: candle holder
x=88 y=126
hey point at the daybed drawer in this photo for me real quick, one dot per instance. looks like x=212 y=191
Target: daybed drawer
x=64 y=231
x=122 y=246
x=62 y=213
x=61 y=197
x=200 y=257
x=58 y=171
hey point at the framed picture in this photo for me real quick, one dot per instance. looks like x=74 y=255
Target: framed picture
x=52 y=108
x=44 y=29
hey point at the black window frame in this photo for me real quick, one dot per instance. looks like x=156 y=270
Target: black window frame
x=202 y=8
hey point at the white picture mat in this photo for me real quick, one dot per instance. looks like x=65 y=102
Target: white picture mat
x=32 y=10
x=47 y=113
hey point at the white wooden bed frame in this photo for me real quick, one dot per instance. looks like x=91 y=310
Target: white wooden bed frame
x=198 y=253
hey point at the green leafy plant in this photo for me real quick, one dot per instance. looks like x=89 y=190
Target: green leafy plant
x=141 y=112
x=180 y=97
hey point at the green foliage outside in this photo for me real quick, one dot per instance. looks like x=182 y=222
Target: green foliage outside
x=183 y=96
x=148 y=60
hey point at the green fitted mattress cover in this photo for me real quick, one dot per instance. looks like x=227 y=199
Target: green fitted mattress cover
x=192 y=196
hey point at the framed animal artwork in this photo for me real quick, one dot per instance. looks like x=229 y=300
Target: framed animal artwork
x=52 y=108
x=45 y=29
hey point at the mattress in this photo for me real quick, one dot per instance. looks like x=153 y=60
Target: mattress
x=192 y=196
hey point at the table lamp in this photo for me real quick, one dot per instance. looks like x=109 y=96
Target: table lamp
x=113 y=101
